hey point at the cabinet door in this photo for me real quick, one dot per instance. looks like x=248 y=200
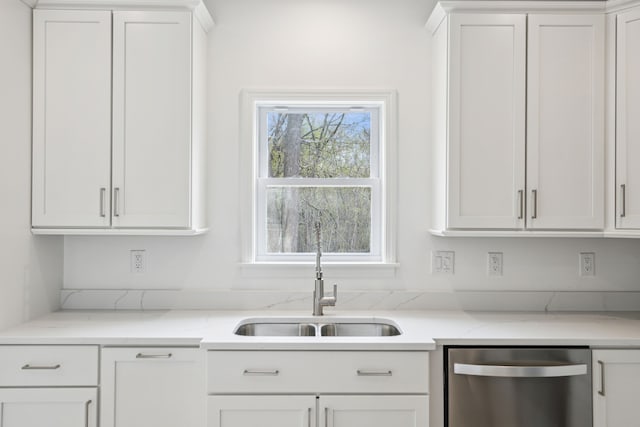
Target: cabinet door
x=487 y=60
x=50 y=407
x=628 y=125
x=152 y=387
x=373 y=411
x=565 y=122
x=151 y=119
x=616 y=376
x=71 y=118
x=262 y=411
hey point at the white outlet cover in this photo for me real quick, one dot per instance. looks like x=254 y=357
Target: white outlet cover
x=494 y=263
x=138 y=261
x=442 y=262
x=587 y=264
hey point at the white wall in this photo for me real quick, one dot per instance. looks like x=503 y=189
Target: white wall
x=313 y=44
x=30 y=267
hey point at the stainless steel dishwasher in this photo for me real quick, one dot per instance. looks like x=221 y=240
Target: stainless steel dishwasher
x=518 y=387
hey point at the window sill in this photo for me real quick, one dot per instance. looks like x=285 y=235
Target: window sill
x=333 y=270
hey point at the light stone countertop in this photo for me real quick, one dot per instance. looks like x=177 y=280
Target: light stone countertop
x=422 y=330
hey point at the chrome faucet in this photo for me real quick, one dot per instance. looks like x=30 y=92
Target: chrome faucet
x=319 y=299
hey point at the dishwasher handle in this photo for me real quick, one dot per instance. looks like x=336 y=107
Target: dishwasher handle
x=520 y=371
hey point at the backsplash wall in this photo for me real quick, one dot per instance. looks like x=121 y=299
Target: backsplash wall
x=334 y=44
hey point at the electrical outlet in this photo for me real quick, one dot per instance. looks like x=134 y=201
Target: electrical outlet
x=587 y=264
x=494 y=264
x=138 y=261
x=442 y=262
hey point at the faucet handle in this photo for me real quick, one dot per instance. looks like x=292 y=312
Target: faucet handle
x=335 y=293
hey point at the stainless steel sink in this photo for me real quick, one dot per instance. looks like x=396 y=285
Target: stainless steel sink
x=276 y=329
x=309 y=328
x=359 y=330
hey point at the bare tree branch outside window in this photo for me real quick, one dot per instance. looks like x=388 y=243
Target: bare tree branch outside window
x=319 y=145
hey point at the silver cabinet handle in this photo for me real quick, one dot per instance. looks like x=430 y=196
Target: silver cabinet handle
x=261 y=372
x=623 y=195
x=43 y=368
x=519 y=371
x=86 y=413
x=309 y=417
x=103 y=192
x=363 y=373
x=326 y=417
x=521 y=204
x=116 y=201
x=153 y=356
x=601 y=391
x=534 y=204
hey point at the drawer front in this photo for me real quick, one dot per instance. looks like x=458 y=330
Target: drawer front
x=48 y=365
x=317 y=372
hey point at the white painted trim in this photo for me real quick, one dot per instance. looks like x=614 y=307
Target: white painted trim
x=30 y=3
x=435 y=19
x=117 y=232
x=517 y=233
x=523 y=6
x=203 y=16
x=248 y=135
x=619 y=5
x=356 y=270
x=117 y=4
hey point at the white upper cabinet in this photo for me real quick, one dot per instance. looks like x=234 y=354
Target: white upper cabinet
x=151 y=119
x=616 y=376
x=628 y=120
x=121 y=152
x=487 y=60
x=565 y=121
x=518 y=129
x=71 y=118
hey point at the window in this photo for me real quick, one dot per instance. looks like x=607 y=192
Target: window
x=320 y=160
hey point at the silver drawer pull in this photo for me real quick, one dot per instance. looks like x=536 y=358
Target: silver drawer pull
x=153 y=356
x=601 y=391
x=44 y=368
x=362 y=373
x=103 y=192
x=86 y=413
x=261 y=372
x=521 y=204
x=116 y=201
x=534 y=204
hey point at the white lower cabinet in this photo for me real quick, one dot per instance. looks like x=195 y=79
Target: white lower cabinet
x=50 y=407
x=263 y=411
x=616 y=377
x=323 y=410
x=152 y=387
x=373 y=411
x=47 y=385
x=318 y=389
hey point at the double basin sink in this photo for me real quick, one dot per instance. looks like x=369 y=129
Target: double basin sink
x=317 y=328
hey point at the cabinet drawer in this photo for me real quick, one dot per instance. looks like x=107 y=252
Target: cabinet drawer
x=48 y=366
x=317 y=372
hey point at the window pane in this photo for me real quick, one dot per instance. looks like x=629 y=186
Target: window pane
x=319 y=144
x=344 y=212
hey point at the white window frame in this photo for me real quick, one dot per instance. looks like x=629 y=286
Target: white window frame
x=254 y=179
